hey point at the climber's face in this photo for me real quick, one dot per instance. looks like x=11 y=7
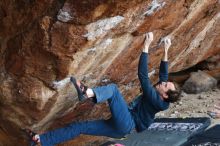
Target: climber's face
x=163 y=87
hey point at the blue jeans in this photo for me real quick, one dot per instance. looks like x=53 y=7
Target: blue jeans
x=120 y=124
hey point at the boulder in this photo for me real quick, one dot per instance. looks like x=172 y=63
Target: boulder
x=199 y=82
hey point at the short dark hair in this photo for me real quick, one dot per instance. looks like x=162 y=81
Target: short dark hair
x=173 y=95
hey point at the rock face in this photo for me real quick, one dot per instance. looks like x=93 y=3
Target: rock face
x=44 y=42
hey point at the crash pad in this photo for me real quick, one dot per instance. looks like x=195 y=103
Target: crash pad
x=166 y=132
x=210 y=137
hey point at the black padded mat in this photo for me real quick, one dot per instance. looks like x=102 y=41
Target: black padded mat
x=210 y=137
x=167 y=132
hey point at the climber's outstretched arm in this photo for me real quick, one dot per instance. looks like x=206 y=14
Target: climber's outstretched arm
x=143 y=61
x=149 y=93
x=167 y=44
x=163 y=72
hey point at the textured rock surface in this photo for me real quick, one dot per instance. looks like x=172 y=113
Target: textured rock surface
x=43 y=42
x=210 y=66
x=199 y=82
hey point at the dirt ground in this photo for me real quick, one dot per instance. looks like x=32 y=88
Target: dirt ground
x=194 y=105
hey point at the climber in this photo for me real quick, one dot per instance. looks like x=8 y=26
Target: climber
x=138 y=115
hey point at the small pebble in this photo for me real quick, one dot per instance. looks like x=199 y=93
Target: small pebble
x=183 y=94
x=173 y=115
x=201 y=97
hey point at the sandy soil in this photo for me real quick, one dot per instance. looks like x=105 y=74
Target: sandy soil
x=194 y=105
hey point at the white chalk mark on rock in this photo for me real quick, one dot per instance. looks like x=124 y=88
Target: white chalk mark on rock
x=61 y=83
x=64 y=16
x=101 y=27
x=153 y=7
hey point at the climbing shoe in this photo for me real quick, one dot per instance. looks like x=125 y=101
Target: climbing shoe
x=81 y=89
